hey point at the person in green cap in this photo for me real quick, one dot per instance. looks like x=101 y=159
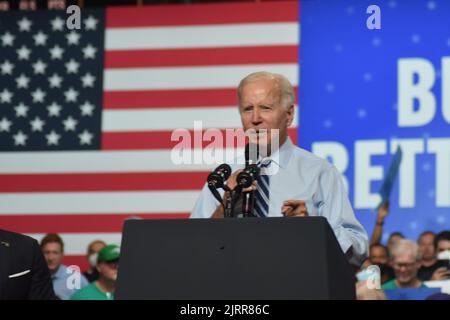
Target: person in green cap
x=104 y=287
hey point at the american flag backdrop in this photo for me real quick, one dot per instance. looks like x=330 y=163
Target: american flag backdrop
x=86 y=115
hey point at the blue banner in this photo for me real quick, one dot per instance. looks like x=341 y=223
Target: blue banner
x=375 y=75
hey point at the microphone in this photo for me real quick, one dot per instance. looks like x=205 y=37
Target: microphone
x=219 y=176
x=217 y=179
x=245 y=178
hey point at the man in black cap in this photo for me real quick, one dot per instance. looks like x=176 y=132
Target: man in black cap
x=23 y=271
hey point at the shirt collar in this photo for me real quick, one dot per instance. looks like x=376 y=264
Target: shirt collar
x=60 y=272
x=282 y=155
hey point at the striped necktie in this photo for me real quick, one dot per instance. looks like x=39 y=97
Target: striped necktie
x=262 y=192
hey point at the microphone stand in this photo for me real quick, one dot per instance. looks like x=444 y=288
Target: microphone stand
x=231 y=203
x=236 y=194
x=227 y=205
x=248 y=198
x=248 y=203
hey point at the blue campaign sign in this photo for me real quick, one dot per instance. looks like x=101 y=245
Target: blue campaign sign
x=365 y=91
x=388 y=182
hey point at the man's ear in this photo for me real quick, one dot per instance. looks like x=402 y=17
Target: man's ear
x=290 y=115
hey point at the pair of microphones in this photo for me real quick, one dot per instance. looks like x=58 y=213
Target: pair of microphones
x=218 y=178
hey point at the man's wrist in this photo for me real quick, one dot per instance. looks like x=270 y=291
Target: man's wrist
x=226 y=198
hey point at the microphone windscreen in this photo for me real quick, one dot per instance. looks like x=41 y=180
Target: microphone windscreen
x=224 y=170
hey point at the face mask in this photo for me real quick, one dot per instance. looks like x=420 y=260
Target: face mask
x=363 y=275
x=372 y=272
x=444 y=255
x=93 y=260
x=371 y=276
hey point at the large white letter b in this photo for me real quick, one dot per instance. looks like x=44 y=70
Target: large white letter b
x=409 y=90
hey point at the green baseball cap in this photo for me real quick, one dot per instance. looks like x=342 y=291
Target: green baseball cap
x=109 y=253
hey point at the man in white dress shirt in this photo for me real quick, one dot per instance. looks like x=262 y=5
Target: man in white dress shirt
x=297 y=182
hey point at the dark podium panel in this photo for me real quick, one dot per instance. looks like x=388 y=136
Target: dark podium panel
x=253 y=258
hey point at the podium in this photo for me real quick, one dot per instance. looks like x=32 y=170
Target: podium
x=233 y=259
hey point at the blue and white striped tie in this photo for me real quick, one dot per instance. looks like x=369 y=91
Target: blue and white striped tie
x=262 y=193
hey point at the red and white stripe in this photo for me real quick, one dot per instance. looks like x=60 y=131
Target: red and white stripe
x=165 y=67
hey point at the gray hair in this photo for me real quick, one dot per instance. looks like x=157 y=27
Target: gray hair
x=287 y=97
x=405 y=246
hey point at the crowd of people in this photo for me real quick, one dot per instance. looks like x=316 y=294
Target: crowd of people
x=97 y=283
x=404 y=263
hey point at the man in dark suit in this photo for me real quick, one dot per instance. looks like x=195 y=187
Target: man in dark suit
x=23 y=271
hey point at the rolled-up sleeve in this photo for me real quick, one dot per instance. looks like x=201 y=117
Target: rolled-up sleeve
x=206 y=204
x=335 y=206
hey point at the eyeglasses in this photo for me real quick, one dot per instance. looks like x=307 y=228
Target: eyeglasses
x=405 y=265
